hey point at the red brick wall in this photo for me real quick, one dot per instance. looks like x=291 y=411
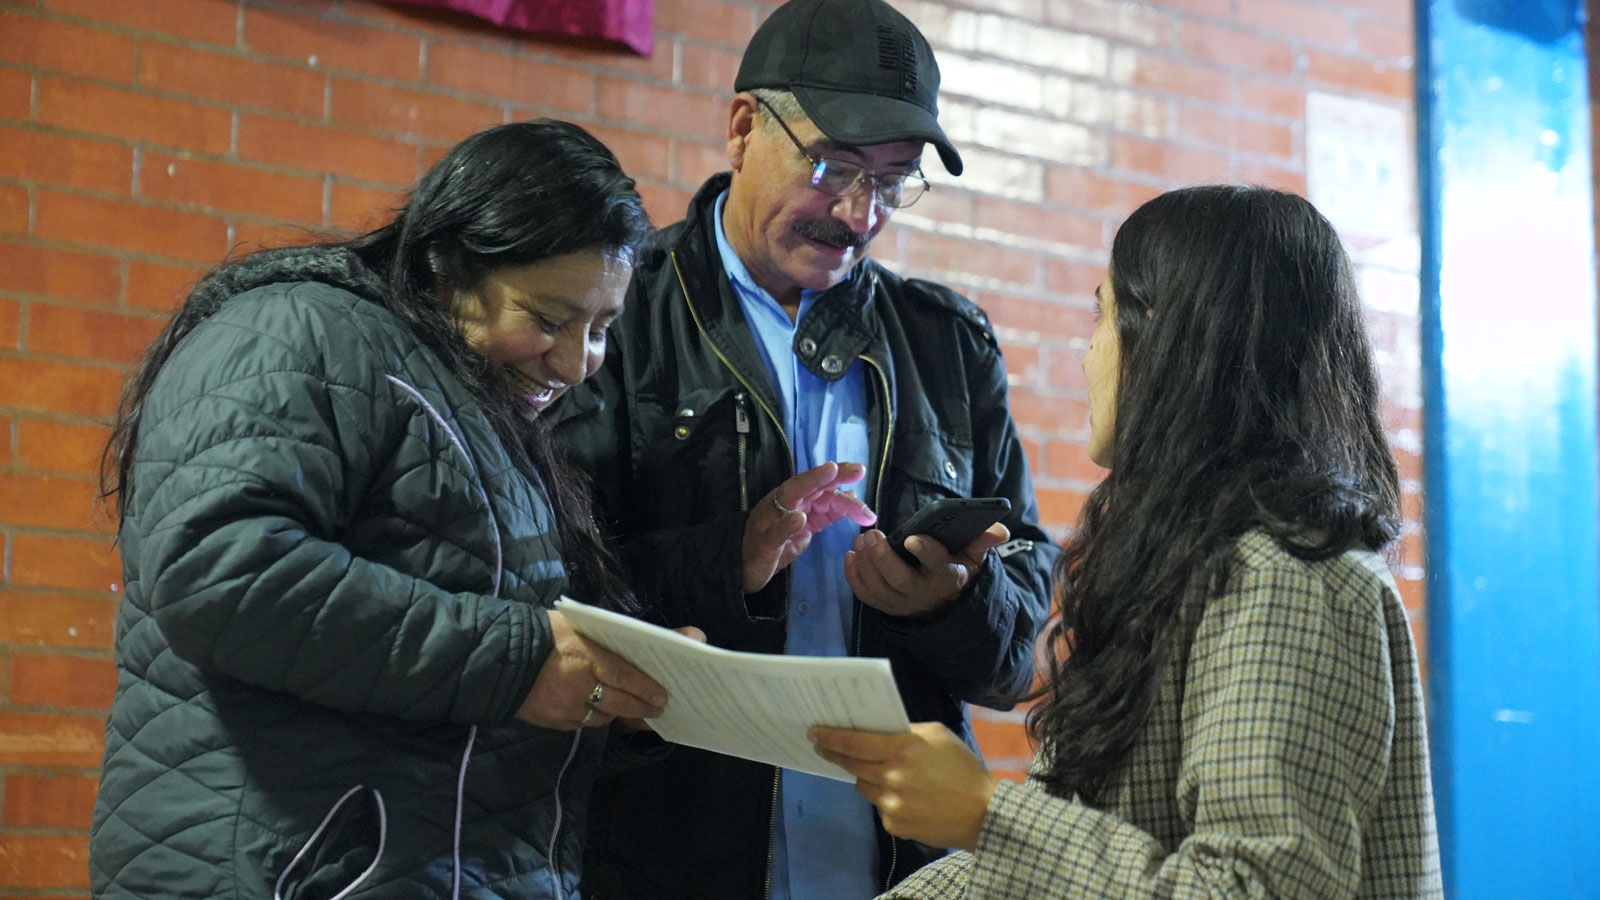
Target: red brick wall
x=141 y=139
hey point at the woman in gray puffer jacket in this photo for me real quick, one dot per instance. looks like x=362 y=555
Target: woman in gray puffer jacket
x=342 y=528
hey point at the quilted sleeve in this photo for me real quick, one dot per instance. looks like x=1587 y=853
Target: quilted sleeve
x=250 y=459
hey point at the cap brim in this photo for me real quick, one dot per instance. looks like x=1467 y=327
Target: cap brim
x=866 y=119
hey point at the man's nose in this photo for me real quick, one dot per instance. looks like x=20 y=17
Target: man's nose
x=859 y=210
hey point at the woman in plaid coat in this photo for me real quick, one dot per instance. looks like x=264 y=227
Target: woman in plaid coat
x=1233 y=707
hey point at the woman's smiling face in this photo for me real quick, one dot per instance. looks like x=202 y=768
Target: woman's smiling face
x=546 y=321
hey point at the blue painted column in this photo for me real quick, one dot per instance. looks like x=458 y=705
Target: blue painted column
x=1509 y=328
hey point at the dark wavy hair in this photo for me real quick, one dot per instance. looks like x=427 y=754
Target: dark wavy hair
x=508 y=196
x=1246 y=400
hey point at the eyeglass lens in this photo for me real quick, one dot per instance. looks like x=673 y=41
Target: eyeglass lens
x=840 y=178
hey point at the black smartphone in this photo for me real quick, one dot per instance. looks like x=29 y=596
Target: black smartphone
x=954 y=522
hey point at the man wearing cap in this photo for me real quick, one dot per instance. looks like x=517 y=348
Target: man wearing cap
x=767 y=389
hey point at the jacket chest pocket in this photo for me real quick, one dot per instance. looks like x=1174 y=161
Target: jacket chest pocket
x=926 y=466
x=696 y=456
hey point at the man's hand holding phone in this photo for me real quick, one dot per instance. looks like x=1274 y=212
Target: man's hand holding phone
x=879 y=572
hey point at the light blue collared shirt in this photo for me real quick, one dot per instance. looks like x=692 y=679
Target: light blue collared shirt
x=823 y=844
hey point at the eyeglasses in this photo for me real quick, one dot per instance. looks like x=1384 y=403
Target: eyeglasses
x=838 y=178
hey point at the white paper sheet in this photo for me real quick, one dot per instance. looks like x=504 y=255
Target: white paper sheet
x=752 y=705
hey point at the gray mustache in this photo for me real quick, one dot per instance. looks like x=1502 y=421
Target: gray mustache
x=829 y=232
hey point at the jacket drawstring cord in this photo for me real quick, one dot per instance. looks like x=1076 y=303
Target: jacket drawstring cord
x=555 y=831
x=383 y=836
x=499 y=570
x=461 y=796
x=494 y=526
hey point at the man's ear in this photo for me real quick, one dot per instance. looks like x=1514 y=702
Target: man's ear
x=741 y=125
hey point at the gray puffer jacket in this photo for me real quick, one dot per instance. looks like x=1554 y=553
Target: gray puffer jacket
x=336 y=585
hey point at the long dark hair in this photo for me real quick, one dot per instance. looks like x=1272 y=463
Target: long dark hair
x=1246 y=400
x=508 y=196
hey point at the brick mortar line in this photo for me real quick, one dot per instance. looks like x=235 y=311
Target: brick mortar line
x=228 y=216
x=118 y=253
x=97 y=364
x=45 y=590
x=131 y=312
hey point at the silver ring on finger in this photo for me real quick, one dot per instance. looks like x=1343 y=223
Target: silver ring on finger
x=781 y=508
x=596 y=695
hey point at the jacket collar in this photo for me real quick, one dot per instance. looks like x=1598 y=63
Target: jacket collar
x=328 y=264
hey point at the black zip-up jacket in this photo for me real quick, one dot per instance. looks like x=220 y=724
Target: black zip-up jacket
x=681 y=432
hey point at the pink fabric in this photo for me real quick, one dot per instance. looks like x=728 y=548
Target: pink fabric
x=625 y=21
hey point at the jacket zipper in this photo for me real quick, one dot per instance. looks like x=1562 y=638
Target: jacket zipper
x=742 y=424
x=894 y=860
x=738 y=376
x=877 y=503
x=888 y=430
x=772 y=828
x=883 y=468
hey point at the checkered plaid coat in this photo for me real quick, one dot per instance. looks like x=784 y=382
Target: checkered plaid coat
x=1286 y=757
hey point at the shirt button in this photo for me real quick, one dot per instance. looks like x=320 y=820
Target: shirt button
x=950 y=468
x=803 y=608
x=833 y=365
x=808 y=347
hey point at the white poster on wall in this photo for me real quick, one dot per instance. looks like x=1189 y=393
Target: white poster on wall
x=1358 y=167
